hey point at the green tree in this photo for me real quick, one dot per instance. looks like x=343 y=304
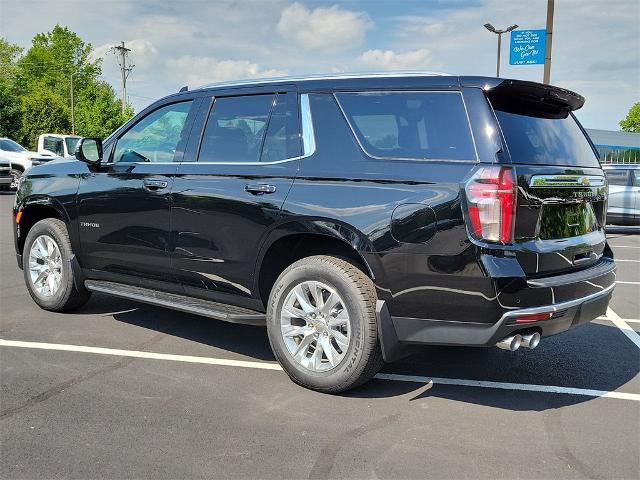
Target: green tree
x=97 y=113
x=9 y=98
x=44 y=74
x=631 y=123
x=43 y=111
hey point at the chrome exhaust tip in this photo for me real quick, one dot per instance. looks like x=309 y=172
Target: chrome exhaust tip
x=531 y=340
x=511 y=343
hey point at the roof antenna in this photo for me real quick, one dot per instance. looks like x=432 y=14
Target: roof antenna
x=184 y=89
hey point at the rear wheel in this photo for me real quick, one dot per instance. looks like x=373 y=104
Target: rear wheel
x=321 y=322
x=49 y=267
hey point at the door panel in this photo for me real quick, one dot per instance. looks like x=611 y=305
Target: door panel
x=225 y=204
x=124 y=205
x=219 y=225
x=124 y=226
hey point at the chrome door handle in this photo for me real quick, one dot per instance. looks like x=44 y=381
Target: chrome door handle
x=259 y=188
x=151 y=184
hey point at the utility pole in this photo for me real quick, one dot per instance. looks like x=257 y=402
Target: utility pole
x=125 y=69
x=546 y=77
x=73 y=110
x=493 y=29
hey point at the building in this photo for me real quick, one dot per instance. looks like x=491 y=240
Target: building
x=616 y=147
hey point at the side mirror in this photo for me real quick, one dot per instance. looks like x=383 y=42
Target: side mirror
x=89 y=150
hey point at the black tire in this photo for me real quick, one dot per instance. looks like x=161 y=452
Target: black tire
x=363 y=358
x=71 y=293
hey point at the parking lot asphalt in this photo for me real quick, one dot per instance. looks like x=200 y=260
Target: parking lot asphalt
x=124 y=390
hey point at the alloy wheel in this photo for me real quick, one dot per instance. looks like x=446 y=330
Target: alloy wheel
x=315 y=326
x=45 y=266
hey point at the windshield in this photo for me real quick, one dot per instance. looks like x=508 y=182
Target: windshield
x=10 y=146
x=71 y=144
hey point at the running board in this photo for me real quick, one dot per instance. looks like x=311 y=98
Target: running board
x=196 y=306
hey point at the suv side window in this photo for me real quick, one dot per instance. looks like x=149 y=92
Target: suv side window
x=54 y=145
x=410 y=125
x=235 y=129
x=155 y=137
x=252 y=128
x=283 y=138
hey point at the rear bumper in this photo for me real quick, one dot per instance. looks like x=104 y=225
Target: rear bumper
x=591 y=289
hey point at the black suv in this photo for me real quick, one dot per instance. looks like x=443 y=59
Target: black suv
x=354 y=215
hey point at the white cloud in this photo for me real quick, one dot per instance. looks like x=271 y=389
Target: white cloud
x=196 y=71
x=328 y=29
x=389 y=60
x=594 y=48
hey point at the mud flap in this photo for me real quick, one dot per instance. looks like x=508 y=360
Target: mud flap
x=392 y=349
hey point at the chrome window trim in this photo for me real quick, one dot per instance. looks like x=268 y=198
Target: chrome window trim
x=308 y=139
x=411 y=159
x=308 y=133
x=308 y=143
x=566 y=181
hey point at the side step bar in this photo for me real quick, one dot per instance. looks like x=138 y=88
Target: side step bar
x=196 y=306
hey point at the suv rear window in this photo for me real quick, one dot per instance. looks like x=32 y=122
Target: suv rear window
x=410 y=125
x=535 y=138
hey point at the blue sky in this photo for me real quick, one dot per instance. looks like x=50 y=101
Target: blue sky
x=596 y=46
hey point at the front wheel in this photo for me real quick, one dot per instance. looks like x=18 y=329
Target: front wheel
x=321 y=321
x=50 y=272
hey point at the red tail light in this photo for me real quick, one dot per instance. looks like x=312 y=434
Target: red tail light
x=534 y=317
x=491 y=201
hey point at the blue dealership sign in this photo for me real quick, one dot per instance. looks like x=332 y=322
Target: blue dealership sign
x=527 y=47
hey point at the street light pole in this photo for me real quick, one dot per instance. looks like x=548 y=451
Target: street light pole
x=493 y=29
x=546 y=75
x=499 y=50
x=73 y=110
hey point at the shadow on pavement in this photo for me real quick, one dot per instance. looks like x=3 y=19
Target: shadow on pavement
x=243 y=339
x=595 y=356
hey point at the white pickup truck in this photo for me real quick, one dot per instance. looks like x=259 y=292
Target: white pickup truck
x=21 y=159
x=57 y=144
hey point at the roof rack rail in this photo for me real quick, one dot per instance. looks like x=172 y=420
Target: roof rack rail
x=325 y=76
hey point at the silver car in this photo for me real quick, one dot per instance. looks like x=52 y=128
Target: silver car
x=624 y=194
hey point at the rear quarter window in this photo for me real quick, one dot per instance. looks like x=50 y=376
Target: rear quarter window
x=410 y=125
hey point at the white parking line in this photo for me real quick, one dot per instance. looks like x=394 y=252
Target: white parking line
x=627 y=320
x=623 y=246
x=273 y=366
x=624 y=327
x=621 y=260
x=627 y=283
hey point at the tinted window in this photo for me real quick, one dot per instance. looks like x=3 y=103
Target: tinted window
x=283 y=133
x=54 y=145
x=10 y=146
x=236 y=128
x=71 y=144
x=411 y=125
x=550 y=141
x=617 y=177
x=155 y=138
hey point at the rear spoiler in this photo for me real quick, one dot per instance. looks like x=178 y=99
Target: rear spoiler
x=532 y=93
